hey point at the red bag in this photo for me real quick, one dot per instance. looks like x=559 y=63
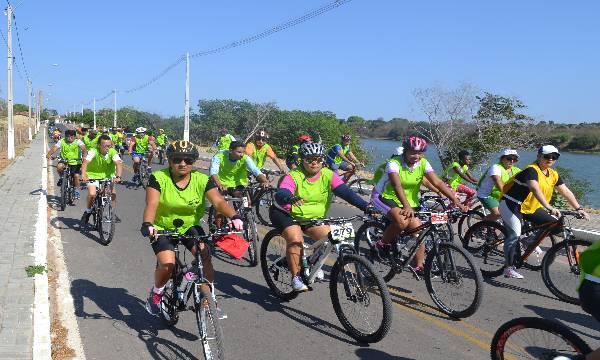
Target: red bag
x=233 y=244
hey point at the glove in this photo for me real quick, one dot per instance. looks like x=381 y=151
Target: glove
x=237 y=223
x=147 y=229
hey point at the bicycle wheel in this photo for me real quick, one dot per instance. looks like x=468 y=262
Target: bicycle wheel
x=453 y=282
x=211 y=334
x=106 y=223
x=536 y=338
x=485 y=241
x=63 y=193
x=144 y=177
x=169 y=313
x=360 y=298
x=534 y=260
x=273 y=263
x=251 y=235
x=364 y=245
x=262 y=204
x=467 y=220
x=360 y=186
x=560 y=269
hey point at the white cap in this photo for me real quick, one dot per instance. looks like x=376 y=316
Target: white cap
x=399 y=150
x=548 y=149
x=508 y=152
x=140 y=130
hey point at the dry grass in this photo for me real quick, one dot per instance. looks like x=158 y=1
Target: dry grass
x=19 y=120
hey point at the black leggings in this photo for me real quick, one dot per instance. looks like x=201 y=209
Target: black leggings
x=167 y=243
x=541 y=216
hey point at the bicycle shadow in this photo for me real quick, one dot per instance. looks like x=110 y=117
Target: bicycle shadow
x=75 y=225
x=368 y=353
x=244 y=262
x=414 y=304
x=582 y=319
x=496 y=283
x=129 y=317
x=260 y=295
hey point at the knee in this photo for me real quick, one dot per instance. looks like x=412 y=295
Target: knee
x=166 y=267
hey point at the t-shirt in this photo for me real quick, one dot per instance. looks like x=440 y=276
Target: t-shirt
x=232 y=173
x=259 y=155
x=410 y=184
x=519 y=190
x=452 y=177
x=487 y=184
x=332 y=155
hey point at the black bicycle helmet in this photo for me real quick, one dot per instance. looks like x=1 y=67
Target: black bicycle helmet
x=182 y=148
x=311 y=149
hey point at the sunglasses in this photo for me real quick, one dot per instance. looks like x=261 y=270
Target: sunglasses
x=314 y=159
x=178 y=160
x=551 y=156
x=512 y=158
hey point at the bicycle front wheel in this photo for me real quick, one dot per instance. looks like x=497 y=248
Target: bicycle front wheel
x=211 y=334
x=536 y=338
x=485 y=241
x=360 y=299
x=453 y=281
x=106 y=223
x=63 y=193
x=467 y=220
x=560 y=269
x=168 y=305
x=251 y=235
x=273 y=263
x=262 y=204
x=364 y=244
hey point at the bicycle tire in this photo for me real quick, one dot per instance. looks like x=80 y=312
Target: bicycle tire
x=551 y=282
x=472 y=273
x=364 y=298
x=263 y=202
x=364 y=245
x=490 y=254
x=206 y=311
x=251 y=234
x=169 y=314
x=144 y=178
x=274 y=267
x=503 y=334
x=360 y=186
x=63 y=193
x=102 y=218
x=471 y=217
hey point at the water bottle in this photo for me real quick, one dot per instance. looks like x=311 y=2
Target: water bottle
x=305 y=266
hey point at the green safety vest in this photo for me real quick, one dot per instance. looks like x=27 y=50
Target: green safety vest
x=141 y=145
x=336 y=158
x=225 y=141
x=101 y=167
x=260 y=155
x=114 y=137
x=161 y=139
x=379 y=172
x=317 y=196
x=90 y=143
x=411 y=181
x=186 y=204
x=504 y=176
x=70 y=152
x=232 y=174
x=455 y=180
x=589 y=261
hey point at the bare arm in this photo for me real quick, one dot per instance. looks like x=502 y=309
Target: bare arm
x=119 y=169
x=430 y=186
x=222 y=207
x=498 y=182
x=464 y=175
x=84 y=165
x=152 y=200
x=471 y=178
x=215 y=178
x=51 y=151
x=341 y=154
x=570 y=197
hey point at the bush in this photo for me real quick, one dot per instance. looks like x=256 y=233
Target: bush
x=587 y=141
x=580 y=188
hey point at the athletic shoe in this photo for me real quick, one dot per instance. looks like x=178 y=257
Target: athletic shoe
x=419 y=270
x=320 y=275
x=153 y=303
x=85 y=218
x=59 y=183
x=77 y=195
x=298 y=284
x=538 y=250
x=511 y=272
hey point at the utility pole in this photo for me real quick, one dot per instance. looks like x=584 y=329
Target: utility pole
x=94 y=113
x=115 y=115
x=40 y=105
x=9 y=100
x=186 y=111
x=29 y=110
x=81 y=109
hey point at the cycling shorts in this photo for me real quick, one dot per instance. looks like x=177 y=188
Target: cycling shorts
x=137 y=155
x=489 y=202
x=282 y=219
x=589 y=294
x=165 y=243
x=341 y=166
x=75 y=169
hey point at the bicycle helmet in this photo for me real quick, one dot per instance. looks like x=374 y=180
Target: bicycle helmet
x=93 y=131
x=161 y=130
x=414 y=143
x=182 y=148
x=346 y=137
x=140 y=130
x=311 y=149
x=304 y=138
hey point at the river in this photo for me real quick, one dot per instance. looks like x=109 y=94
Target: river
x=583 y=166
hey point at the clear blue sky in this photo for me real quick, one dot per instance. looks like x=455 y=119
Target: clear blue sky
x=364 y=58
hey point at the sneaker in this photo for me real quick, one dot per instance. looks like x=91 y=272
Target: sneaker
x=419 y=270
x=153 y=303
x=85 y=218
x=511 y=272
x=538 y=251
x=59 y=183
x=77 y=195
x=320 y=275
x=298 y=284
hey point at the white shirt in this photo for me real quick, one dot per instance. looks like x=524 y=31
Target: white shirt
x=487 y=184
x=392 y=167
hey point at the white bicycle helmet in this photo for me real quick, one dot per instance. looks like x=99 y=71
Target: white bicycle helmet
x=140 y=130
x=311 y=149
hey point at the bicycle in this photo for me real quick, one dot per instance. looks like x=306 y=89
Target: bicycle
x=67 y=191
x=262 y=198
x=176 y=295
x=446 y=264
x=360 y=185
x=536 y=338
x=352 y=280
x=103 y=213
x=485 y=240
x=161 y=155
x=144 y=173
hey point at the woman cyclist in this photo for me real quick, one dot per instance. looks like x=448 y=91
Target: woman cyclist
x=179 y=192
x=305 y=194
x=399 y=188
x=492 y=182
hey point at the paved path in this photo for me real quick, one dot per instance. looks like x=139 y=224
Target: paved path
x=20 y=191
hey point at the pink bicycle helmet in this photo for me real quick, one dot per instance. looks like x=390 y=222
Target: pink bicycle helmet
x=415 y=143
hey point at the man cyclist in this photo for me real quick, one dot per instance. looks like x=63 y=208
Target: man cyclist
x=459 y=171
x=114 y=136
x=225 y=140
x=527 y=196
x=71 y=152
x=259 y=151
x=292 y=159
x=91 y=139
x=305 y=194
x=399 y=188
x=340 y=156
x=179 y=192
x=229 y=169
x=100 y=163
x=492 y=182
x=138 y=148
x=161 y=141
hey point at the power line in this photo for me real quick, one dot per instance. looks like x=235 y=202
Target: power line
x=14 y=63
x=20 y=48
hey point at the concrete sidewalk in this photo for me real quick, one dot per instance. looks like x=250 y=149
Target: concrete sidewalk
x=21 y=191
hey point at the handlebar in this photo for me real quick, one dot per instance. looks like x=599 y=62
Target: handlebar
x=338 y=220
x=574 y=213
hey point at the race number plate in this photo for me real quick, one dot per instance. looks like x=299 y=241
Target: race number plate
x=245 y=202
x=341 y=232
x=439 y=218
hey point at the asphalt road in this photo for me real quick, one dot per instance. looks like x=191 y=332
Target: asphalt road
x=110 y=284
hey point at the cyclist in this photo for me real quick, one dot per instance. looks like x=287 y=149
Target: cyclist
x=229 y=169
x=56 y=134
x=459 y=171
x=179 y=192
x=225 y=140
x=305 y=194
x=138 y=148
x=527 y=196
x=114 y=136
x=399 y=188
x=259 y=150
x=81 y=132
x=161 y=140
x=493 y=180
x=71 y=152
x=340 y=156
x=292 y=159
x=91 y=139
x=103 y=162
